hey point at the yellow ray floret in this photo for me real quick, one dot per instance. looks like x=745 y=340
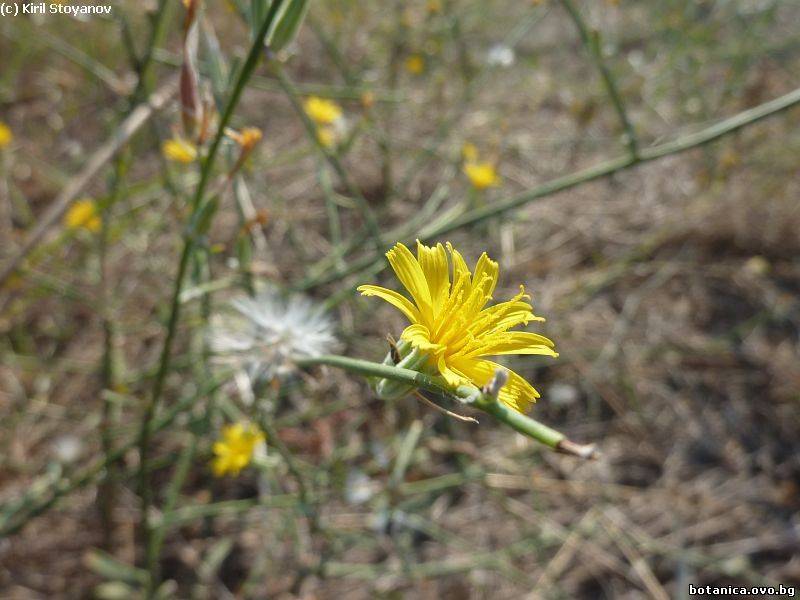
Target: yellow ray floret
x=451 y=323
x=235 y=448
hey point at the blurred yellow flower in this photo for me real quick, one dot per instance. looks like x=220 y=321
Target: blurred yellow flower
x=326 y=136
x=6 y=137
x=481 y=175
x=83 y=214
x=179 y=150
x=321 y=111
x=450 y=325
x=247 y=138
x=234 y=450
x=434 y=6
x=415 y=64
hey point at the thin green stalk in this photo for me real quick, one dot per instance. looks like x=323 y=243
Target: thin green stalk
x=173 y=493
x=107 y=493
x=108 y=488
x=471 y=396
x=303 y=493
x=305 y=499
x=591 y=40
x=396 y=46
x=157 y=33
x=188 y=246
x=332 y=210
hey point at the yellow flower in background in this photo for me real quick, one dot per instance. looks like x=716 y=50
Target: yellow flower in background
x=326 y=136
x=235 y=448
x=179 y=150
x=434 y=6
x=83 y=214
x=6 y=137
x=247 y=138
x=450 y=324
x=321 y=111
x=415 y=64
x=481 y=174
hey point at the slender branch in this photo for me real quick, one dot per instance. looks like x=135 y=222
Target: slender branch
x=591 y=40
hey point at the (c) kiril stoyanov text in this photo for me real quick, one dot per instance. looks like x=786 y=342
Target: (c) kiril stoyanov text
x=14 y=9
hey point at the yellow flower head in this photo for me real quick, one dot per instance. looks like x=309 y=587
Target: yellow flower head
x=415 y=64
x=481 y=174
x=326 y=136
x=321 y=111
x=450 y=324
x=6 y=137
x=179 y=150
x=83 y=214
x=234 y=450
x=434 y=6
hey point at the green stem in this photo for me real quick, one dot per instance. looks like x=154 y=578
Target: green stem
x=591 y=40
x=173 y=494
x=521 y=423
x=480 y=400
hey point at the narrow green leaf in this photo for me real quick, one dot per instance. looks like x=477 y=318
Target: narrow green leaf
x=287 y=24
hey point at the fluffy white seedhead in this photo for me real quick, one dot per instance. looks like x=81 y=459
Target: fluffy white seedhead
x=263 y=335
x=500 y=56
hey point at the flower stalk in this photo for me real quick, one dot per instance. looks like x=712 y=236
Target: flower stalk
x=483 y=400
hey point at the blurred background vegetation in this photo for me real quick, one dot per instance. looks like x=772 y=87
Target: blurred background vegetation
x=669 y=281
